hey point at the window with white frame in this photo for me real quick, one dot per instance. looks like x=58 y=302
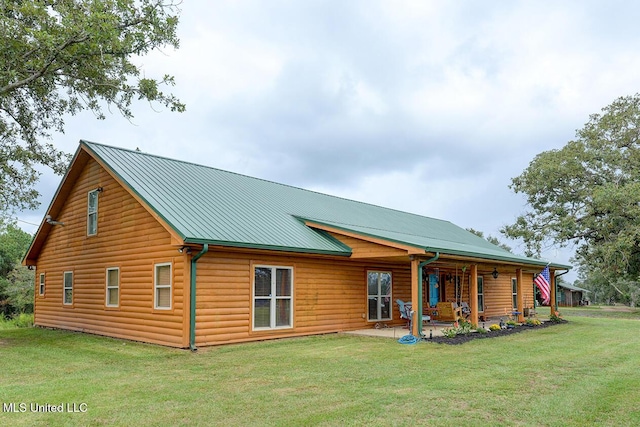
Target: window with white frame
x=379 y=295
x=514 y=292
x=272 y=297
x=113 y=287
x=41 y=285
x=68 y=288
x=92 y=213
x=162 y=286
x=480 y=294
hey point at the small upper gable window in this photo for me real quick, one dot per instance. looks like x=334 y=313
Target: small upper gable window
x=92 y=213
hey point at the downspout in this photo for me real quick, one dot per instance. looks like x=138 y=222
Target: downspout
x=192 y=299
x=419 y=304
x=555 y=282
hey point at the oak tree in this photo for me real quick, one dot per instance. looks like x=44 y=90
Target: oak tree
x=588 y=194
x=60 y=57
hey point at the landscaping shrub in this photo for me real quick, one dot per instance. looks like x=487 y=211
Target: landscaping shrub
x=23 y=320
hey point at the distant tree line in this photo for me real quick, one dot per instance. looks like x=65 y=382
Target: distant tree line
x=16 y=281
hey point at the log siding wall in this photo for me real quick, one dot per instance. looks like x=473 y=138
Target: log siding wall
x=328 y=295
x=364 y=249
x=128 y=238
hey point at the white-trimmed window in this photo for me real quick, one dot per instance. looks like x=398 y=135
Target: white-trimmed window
x=480 y=294
x=113 y=287
x=92 y=213
x=41 y=285
x=379 y=295
x=272 y=297
x=162 y=286
x=68 y=288
x=514 y=292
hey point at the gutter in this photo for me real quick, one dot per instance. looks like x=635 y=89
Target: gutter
x=419 y=305
x=192 y=298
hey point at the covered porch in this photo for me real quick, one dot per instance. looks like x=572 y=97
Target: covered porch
x=439 y=264
x=440 y=290
x=489 y=290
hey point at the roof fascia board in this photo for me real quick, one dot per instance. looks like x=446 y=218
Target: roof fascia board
x=173 y=231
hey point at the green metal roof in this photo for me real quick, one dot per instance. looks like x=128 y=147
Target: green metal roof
x=572 y=288
x=208 y=205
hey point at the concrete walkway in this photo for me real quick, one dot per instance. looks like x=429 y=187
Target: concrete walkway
x=398 y=332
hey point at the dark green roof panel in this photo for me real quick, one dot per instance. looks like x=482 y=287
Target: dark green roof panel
x=204 y=204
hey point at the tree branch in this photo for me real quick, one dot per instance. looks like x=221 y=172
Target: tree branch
x=616 y=288
x=45 y=68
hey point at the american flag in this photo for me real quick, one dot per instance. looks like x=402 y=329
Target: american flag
x=542 y=282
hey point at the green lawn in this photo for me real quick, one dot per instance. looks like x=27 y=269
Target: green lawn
x=581 y=373
x=614 y=312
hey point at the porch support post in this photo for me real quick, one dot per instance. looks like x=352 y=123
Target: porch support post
x=553 y=303
x=520 y=293
x=416 y=303
x=473 y=294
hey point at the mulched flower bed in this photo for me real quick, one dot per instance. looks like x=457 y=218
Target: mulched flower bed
x=461 y=339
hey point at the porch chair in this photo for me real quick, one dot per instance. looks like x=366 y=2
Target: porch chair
x=405 y=310
x=465 y=309
x=426 y=317
x=447 y=312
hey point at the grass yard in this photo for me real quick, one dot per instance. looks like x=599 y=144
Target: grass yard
x=581 y=373
x=614 y=312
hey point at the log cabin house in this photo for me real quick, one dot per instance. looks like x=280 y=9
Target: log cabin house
x=152 y=249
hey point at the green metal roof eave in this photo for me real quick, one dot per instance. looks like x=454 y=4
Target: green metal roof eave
x=86 y=145
x=245 y=245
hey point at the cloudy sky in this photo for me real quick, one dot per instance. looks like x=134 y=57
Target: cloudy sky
x=425 y=106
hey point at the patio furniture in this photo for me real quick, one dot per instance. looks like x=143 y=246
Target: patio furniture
x=447 y=312
x=429 y=313
x=465 y=310
x=405 y=310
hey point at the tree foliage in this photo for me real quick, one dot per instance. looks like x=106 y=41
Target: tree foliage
x=16 y=281
x=491 y=239
x=588 y=194
x=58 y=58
